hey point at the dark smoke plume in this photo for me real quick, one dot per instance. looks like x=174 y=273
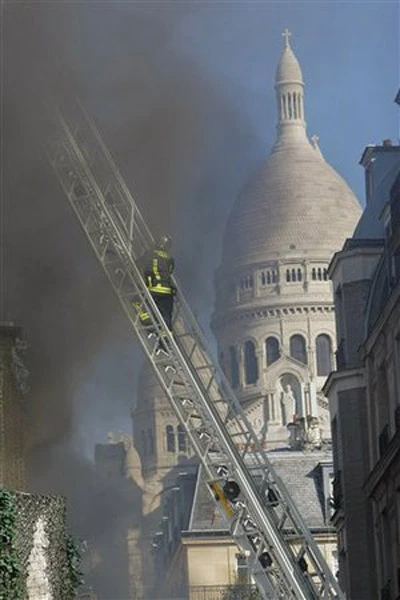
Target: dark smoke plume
x=153 y=106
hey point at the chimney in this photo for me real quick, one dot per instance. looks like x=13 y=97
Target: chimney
x=387 y=143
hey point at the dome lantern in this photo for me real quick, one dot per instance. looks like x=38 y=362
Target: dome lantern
x=289 y=86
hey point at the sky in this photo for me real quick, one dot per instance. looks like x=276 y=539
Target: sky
x=183 y=93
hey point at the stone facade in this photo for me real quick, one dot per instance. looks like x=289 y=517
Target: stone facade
x=274 y=315
x=364 y=391
x=13 y=390
x=195 y=555
x=41 y=544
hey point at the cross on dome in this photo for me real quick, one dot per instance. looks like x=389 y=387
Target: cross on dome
x=286 y=35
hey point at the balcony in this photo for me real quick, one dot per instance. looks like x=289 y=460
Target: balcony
x=224 y=592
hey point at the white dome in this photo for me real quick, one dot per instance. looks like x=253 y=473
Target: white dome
x=295 y=202
x=288 y=70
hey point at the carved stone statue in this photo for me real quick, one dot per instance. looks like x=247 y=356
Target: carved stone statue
x=314 y=433
x=288 y=402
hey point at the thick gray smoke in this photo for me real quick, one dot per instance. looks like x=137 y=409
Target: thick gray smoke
x=153 y=107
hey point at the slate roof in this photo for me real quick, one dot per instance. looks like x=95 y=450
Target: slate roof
x=301 y=476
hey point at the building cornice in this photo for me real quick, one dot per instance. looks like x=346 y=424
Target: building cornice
x=258 y=313
x=345 y=379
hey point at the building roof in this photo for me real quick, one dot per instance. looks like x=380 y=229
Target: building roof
x=295 y=201
x=300 y=474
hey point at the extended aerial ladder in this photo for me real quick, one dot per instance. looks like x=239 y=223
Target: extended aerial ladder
x=284 y=559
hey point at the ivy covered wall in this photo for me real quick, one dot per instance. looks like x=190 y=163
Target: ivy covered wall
x=38 y=559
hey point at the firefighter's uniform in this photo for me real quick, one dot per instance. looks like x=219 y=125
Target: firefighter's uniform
x=157 y=267
x=158 y=275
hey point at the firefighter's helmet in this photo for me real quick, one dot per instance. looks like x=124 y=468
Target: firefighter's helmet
x=165 y=242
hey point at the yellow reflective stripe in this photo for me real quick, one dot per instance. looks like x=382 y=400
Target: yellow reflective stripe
x=143 y=314
x=162 y=253
x=160 y=289
x=155 y=268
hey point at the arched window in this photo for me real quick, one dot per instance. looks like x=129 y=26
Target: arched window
x=298 y=348
x=144 y=442
x=150 y=441
x=284 y=106
x=268 y=277
x=250 y=363
x=274 y=277
x=295 y=105
x=319 y=274
x=234 y=367
x=314 y=274
x=290 y=105
x=287 y=274
x=170 y=438
x=299 y=275
x=263 y=278
x=293 y=274
x=272 y=349
x=324 y=355
x=181 y=439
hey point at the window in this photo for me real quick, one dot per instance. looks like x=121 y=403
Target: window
x=268 y=277
x=170 y=438
x=181 y=439
x=293 y=275
x=247 y=282
x=250 y=363
x=298 y=348
x=272 y=349
x=324 y=355
x=150 y=441
x=234 y=367
x=313 y=274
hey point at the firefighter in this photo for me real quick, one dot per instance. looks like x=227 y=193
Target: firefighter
x=157 y=267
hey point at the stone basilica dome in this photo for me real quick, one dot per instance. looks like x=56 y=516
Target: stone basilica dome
x=296 y=203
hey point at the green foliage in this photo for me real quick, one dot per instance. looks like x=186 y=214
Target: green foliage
x=12 y=579
x=72 y=574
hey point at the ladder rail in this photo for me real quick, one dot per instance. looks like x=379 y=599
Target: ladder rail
x=218 y=415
